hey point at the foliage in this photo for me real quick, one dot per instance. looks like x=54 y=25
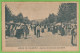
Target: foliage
x=16 y=19
x=8 y=14
x=67 y=12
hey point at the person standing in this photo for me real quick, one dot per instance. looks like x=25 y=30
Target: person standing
x=14 y=29
x=35 y=30
x=11 y=31
x=48 y=28
x=73 y=38
x=26 y=31
x=38 y=31
x=62 y=31
x=18 y=31
x=42 y=30
x=8 y=30
x=53 y=31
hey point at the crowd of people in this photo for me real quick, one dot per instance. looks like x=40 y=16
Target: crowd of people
x=18 y=30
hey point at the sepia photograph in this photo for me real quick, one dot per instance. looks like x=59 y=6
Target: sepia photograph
x=40 y=26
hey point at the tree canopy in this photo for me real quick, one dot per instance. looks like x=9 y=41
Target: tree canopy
x=67 y=11
x=8 y=14
x=19 y=18
x=51 y=19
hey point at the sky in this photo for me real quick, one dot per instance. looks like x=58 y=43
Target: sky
x=34 y=10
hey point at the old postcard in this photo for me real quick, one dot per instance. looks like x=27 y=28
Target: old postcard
x=40 y=26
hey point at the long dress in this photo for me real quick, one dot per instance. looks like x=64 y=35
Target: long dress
x=11 y=31
x=18 y=32
x=42 y=30
x=8 y=31
x=62 y=32
x=53 y=31
x=38 y=31
x=74 y=37
x=26 y=31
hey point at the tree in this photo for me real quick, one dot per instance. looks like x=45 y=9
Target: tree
x=26 y=20
x=8 y=14
x=20 y=18
x=51 y=18
x=67 y=12
x=15 y=19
